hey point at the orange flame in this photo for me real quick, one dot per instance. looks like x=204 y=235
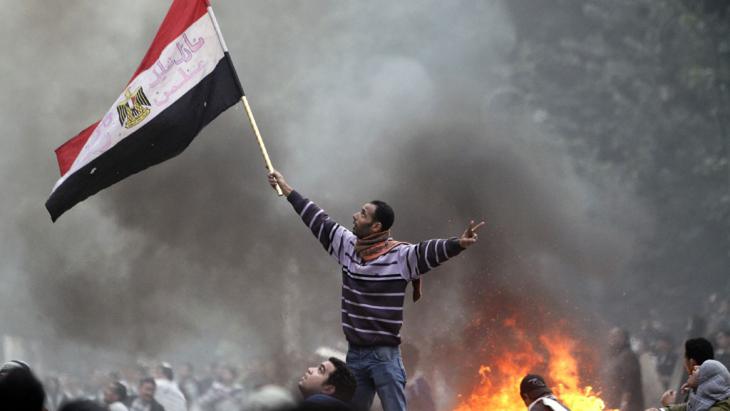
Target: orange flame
x=500 y=380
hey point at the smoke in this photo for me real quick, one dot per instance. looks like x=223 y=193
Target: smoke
x=408 y=102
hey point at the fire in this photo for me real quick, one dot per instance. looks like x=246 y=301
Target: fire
x=500 y=379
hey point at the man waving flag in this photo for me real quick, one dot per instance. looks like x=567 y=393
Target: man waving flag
x=185 y=80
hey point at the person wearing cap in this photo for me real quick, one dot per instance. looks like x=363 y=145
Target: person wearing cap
x=537 y=396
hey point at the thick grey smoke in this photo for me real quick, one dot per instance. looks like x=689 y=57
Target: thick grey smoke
x=409 y=102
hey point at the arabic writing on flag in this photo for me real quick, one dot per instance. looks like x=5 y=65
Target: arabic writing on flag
x=185 y=80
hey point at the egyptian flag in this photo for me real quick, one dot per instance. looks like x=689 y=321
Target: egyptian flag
x=185 y=80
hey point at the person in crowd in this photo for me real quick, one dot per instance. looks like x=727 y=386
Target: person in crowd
x=328 y=386
x=168 y=393
x=622 y=388
x=696 y=352
x=115 y=394
x=666 y=358
x=537 y=396
x=20 y=389
x=419 y=395
x=145 y=399
x=210 y=375
x=187 y=382
x=722 y=345
x=223 y=393
x=375 y=272
x=709 y=386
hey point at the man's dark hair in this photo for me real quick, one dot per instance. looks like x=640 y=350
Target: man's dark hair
x=533 y=386
x=698 y=349
x=81 y=405
x=120 y=390
x=383 y=214
x=342 y=379
x=147 y=380
x=20 y=390
x=166 y=370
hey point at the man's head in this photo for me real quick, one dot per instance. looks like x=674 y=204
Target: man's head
x=618 y=339
x=374 y=217
x=227 y=374
x=115 y=392
x=533 y=387
x=331 y=377
x=186 y=370
x=147 y=388
x=20 y=390
x=697 y=351
x=164 y=371
x=663 y=344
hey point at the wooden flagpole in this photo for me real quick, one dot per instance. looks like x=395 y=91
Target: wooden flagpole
x=246 y=106
x=260 y=140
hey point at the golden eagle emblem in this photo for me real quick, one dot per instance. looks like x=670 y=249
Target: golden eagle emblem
x=134 y=108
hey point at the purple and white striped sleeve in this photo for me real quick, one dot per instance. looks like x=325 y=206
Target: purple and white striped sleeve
x=333 y=237
x=418 y=259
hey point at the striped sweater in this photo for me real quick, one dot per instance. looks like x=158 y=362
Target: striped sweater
x=372 y=292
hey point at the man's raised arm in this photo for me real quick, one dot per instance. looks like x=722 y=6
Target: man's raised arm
x=423 y=257
x=333 y=237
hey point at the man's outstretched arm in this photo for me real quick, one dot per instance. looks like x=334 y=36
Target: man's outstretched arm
x=423 y=257
x=335 y=238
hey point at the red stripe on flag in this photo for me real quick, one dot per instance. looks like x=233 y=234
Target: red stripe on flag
x=182 y=14
x=67 y=153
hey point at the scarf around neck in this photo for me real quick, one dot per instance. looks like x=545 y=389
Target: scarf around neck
x=377 y=244
x=374 y=245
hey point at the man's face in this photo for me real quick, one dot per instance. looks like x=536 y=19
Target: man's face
x=313 y=380
x=110 y=395
x=694 y=377
x=363 y=221
x=225 y=376
x=616 y=338
x=689 y=364
x=147 y=392
x=663 y=346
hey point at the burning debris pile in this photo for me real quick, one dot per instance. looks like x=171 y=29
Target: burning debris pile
x=515 y=353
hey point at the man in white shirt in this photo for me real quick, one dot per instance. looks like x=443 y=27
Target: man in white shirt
x=168 y=394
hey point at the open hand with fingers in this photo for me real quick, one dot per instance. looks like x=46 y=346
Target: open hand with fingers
x=470 y=234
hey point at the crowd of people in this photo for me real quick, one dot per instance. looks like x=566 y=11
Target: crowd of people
x=329 y=385
x=640 y=370
x=644 y=371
